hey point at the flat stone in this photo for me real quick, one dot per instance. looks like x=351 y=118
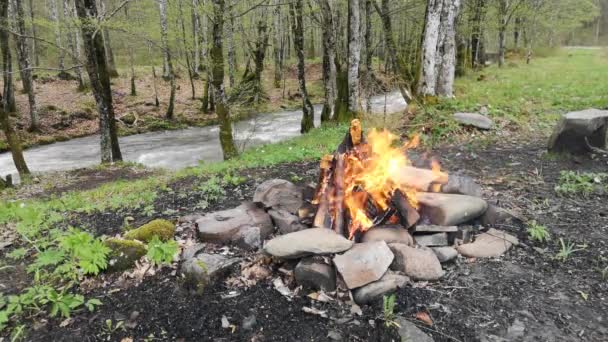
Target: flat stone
x=445 y=254
x=314 y=241
x=432 y=240
x=576 y=130
x=285 y=221
x=374 y=291
x=416 y=263
x=497 y=216
x=388 y=234
x=364 y=263
x=474 y=119
x=492 y=243
x=203 y=268
x=435 y=229
x=246 y=225
x=462 y=185
x=408 y=331
x=316 y=275
x=279 y=194
x=450 y=209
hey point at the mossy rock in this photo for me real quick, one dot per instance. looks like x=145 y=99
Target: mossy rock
x=124 y=253
x=164 y=229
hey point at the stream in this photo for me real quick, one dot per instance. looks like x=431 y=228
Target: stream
x=179 y=148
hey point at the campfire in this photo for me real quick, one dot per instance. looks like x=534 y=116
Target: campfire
x=369 y=182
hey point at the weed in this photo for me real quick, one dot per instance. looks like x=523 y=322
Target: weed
x=161 y=252
x=538 y=232
x=389 y=310
x=566 y=250
x=572 y=183
x=296 y=178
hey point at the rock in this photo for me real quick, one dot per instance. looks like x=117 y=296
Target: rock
x=496 y=216
x=416 y=263
x=364 y=263
x=314 y=241
x=315 y=274
x=474 y=119
x=124 y=253
x=492 y=243
x=408 y=331
x=246 y=226
x=388 y=234
x=445 y=254
x=164 y=229
x=465 y=234
x=334 y=335
x=204 y=268
x=371 y=292
x=128 y=118
x=249 y=322
x=279 y=194
x=432 y=240
x=450 y=209
x=574 y=128
x=286 y=221
x=435 y=229
x=462 y=185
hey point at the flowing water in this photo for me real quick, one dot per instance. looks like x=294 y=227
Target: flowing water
x=180 y=148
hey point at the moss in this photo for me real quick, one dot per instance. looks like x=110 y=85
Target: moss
x=124 y=253
x=164 y=229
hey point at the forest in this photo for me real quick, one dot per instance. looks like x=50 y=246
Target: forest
x=287 y=170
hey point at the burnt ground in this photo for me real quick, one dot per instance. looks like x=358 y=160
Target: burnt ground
x=526 y=295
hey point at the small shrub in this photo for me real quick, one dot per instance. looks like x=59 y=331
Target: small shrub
x=161 y=252
x=538 y=232
x=389 y=310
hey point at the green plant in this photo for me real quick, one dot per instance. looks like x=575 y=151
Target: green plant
x=566 y=250
x=17 y=254
x=388 y=305
x=538 y=232
x=90 y=253
x=161 y=252
x=295 y=178
x=572 y=183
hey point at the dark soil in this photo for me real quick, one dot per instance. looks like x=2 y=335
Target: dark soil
x=526 y=295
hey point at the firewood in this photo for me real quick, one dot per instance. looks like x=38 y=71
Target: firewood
x=409 y=215
x=419 y=179
x=338 y=197
x=353 y=138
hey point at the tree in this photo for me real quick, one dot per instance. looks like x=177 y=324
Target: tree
x=308 y=112
x=10 y=134
x=216 y=52
x=354 y=56
x=506 y=10
x=23 y=54
x=107 y=43
x=97 y=68
x=329 y=60
x=428 y=78
x=73 y=41
x=168 y=72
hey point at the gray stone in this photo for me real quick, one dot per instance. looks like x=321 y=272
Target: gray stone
x=279 y=194
x=246 y=225
x=203 y=268
x=249 y=322
x=450 y=209
x=364 y=263
x=416 y=263
x=576 y=130
x=492 y=243
x=445 y=254
x=285 y=221
x=409 y=332
x=371 y=292
x=314 y=241
x=388 y=234
x=474 y=119
x=462 y=185
x=315 y=274
x=497 y=216
x=432 y=240
x=435 y=229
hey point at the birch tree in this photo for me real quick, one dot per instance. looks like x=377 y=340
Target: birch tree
x=73 y=41
x=308 y=112
x=168 y=73
x=354 y=55
x=428 y=78
x=446 y=56
x=97 y=68
x=23 y=54
x=108 y=44
x=329 y=60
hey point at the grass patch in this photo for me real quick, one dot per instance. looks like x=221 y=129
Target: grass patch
x=575 y=183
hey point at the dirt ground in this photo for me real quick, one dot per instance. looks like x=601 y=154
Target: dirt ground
x=526 y=295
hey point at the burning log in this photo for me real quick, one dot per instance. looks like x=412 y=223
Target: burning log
x=338 y=197
x=324 y=189
x=408 y=214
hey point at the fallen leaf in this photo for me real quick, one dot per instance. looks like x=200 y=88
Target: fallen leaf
x=315 y=311
x=225 y=322
x=424 y=317
x=66 y=322
x=280 y=286
x=320 y=297
x=356 y=310
x=127 y=339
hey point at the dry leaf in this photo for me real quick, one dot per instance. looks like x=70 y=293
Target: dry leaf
x=424 y=317
x=127 y=339
x=315 y=311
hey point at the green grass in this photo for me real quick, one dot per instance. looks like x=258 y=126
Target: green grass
x=575 y=183
x=530 y=96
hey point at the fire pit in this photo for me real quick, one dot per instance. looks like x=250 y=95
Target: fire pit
x=373 y=222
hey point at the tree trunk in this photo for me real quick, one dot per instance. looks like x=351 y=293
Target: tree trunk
x=108 y=45
x=477 y=51
x=428 y=79
x=34 y=36
x=73 y=42
x=446 y=54
x=196 y=25
x=97 y=69
x=23 y=54
x=167 y=67
x=354 y=56
x=188 y=64
x=58 y=39
x=132 y=60
x=11 y=136
x=517 y=32
x=369 y=71
x=502 y=28
x=277 y=42
x=329 y=60
x=295 y=9
x=230 y=41
x=217 y=80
